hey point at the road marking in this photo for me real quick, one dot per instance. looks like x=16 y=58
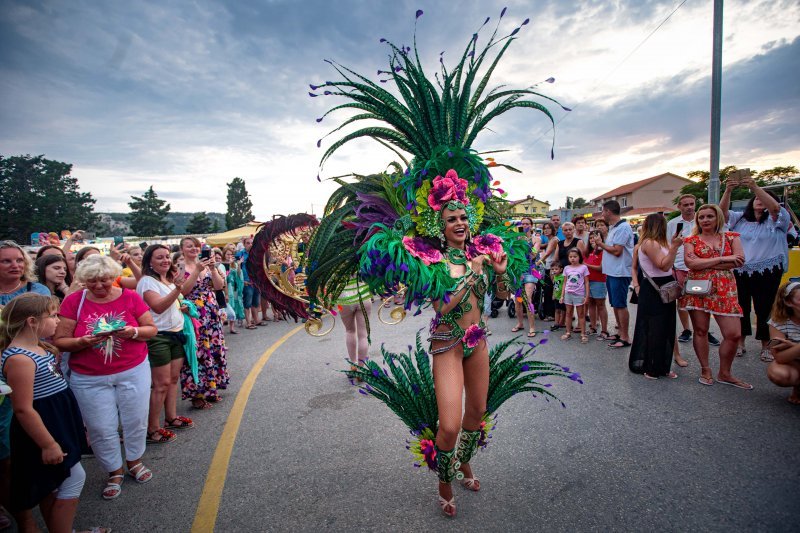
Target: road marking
x=207 y=508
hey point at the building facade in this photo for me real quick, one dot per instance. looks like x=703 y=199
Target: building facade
x=640 y=198
x=528 y=207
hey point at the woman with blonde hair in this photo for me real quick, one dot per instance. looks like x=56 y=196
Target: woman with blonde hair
x=711 y=255
x=784 y=332
x=17 y=273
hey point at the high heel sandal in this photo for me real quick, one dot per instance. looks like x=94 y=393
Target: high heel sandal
x=471 y=483
x=448 y=506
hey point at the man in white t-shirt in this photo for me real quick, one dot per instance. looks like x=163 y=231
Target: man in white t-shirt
x=686 y=205
x=616 y=265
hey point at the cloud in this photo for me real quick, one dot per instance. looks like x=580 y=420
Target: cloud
x=188 y=96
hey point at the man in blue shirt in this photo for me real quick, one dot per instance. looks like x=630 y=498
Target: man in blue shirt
x=556 y=221
x=617 y=262
x=251 y=298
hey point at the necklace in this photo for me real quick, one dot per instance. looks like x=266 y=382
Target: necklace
x=456 y=256
x=12 y=290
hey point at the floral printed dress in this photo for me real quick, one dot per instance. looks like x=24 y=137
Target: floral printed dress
x=211 y=351
x=723 y=299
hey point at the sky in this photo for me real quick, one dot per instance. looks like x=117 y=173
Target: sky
x=185 y=96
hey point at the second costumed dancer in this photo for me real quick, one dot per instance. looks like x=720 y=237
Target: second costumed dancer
x=432 y=227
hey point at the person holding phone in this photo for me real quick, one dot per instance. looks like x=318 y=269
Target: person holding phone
x=784 y=343
x=211 y=350
x=763 y=226
x=110 y=373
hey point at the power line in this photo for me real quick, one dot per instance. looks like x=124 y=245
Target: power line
x=612 y=71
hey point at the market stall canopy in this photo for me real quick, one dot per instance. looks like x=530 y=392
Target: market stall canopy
x=233 y=235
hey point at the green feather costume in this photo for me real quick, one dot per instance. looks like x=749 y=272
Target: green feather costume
x=385 y=228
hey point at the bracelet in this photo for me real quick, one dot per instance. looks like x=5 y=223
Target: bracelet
x=135 y=333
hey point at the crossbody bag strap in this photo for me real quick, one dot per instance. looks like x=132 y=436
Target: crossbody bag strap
x=80 y=305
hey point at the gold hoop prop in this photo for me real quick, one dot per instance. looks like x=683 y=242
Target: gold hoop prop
x=397 y=313
x=314 y=326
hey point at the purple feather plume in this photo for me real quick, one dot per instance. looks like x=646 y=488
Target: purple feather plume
x=370 y=210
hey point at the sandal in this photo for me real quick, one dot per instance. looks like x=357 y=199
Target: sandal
x=250 y=326
x=162 y=436
x=619 y=343
x=708 y=381
x=448 y=506
x=112 y=489
x=766 y=356
x=516 y=329
x=471 y=483
x=584 y=339
x=592 y=331
x=648 y=376
x=531 y=334
x=566 y=336
x=182 y=423
x=140 y=473
x=201 y=404
x=604 y=336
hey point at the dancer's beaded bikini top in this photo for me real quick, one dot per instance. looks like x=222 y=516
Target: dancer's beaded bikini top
x=476 y=284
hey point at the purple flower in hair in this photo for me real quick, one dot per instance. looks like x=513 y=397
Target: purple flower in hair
x=447 y=188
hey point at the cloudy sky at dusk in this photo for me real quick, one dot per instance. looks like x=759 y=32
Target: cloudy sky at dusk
x=185 y=96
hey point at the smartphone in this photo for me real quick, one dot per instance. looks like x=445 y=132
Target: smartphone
x=118 y=240
x=205 y=254
x=679 y=227
x=774 y=342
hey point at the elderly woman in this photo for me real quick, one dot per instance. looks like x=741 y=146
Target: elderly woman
x=106 y=328
x=763 y=226
x=711 y=255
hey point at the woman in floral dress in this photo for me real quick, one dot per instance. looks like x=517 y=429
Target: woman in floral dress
x=712 y=254
x=211 y=350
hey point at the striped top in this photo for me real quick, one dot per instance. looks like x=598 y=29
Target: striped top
x=47 y=379
x=354 y=292
x=788 y=328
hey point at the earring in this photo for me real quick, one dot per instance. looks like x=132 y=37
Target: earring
x=444 y=242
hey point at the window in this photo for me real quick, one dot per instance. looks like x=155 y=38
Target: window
x=623 y=202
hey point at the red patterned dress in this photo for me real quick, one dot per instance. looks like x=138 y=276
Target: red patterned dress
x=722 y=300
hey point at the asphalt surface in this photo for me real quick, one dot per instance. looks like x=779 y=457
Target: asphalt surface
x=626 y=454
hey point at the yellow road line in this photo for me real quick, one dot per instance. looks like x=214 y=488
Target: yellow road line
x=207 y=508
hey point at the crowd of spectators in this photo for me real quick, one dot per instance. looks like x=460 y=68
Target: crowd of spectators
x=109 y=341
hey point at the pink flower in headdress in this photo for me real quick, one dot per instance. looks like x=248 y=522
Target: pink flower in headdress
x=422 y=250
x=447 y=188
x=428 y=452
x=473 y=335
x=488 y=243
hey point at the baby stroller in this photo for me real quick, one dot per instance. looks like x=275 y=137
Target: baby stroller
x=537 y=298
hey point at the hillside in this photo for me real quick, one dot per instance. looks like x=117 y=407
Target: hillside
x=112 y=224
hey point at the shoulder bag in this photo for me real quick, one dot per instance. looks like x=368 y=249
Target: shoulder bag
x=702 y=287
x=668 y=292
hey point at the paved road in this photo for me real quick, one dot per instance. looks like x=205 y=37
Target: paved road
x=626 y=454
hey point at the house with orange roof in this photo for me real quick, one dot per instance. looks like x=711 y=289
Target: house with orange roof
x=643 y=197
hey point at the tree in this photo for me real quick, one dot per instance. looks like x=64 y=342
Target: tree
x=579 y=203
x=240 y=208
x=199 y=224
x=700 y=187
x=215 y=226
x=38 y=194
x=148 y=215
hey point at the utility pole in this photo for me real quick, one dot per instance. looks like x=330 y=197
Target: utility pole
x=716 y=104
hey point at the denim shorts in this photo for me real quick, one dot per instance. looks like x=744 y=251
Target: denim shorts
x=573 y=299
x=618 y=291
x=250 y=297
x=597 y=289
x=528 y=278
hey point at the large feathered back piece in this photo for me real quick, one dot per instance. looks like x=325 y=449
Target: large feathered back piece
x=385 y=226
x=274 y=245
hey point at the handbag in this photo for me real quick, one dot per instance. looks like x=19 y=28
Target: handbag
x=697 y=287
x=668 y=292
x=702 y=287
